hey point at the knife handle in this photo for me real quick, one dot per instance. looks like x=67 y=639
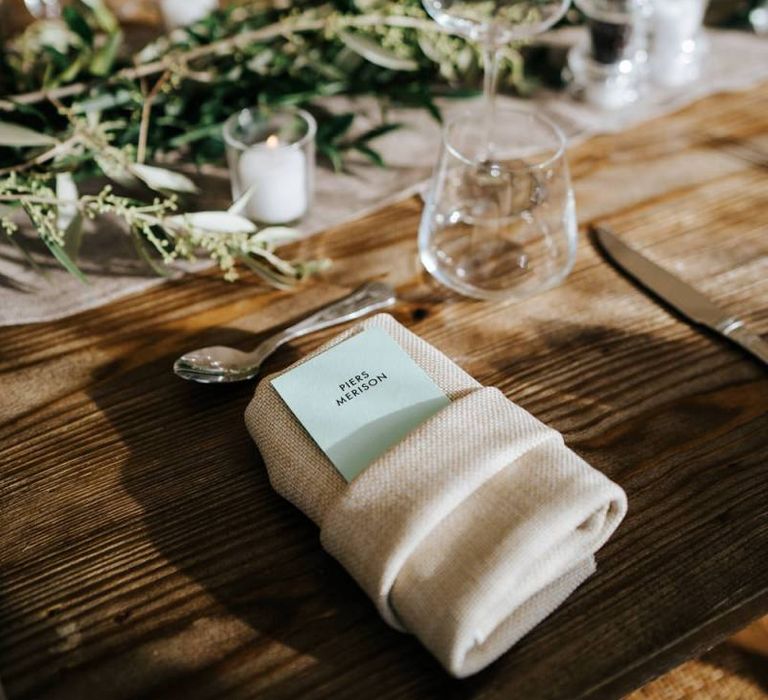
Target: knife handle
x=752 y=343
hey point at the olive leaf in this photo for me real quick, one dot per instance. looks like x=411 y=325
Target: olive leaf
x=282 y=266
x=99 y=103
x=269 y=275
x=69 y=220
x=213 y=222
x=73 y=236
x=104 y=58
x=16 y=135
x=114 y=170
x=162 y=179
x=375 y=53
x=66 y=261
x=76 y=22
x=103 y=15
x=277 y=235
x=238 y=206
x=142 y=249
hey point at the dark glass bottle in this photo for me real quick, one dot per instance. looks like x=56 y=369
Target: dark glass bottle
x=609 y=40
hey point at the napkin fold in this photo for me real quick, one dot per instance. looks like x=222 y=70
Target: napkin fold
x=468 y=532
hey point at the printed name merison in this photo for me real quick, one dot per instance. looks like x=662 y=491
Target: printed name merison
x=361 y=388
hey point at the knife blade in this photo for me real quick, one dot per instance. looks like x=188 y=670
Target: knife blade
x=680 y=295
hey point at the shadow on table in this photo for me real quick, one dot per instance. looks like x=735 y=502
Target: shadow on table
x=108 y=254
x=735 y=664
x=210 y=512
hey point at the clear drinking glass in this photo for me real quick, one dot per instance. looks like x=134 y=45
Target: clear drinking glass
x=502 y=227
x=271 y=157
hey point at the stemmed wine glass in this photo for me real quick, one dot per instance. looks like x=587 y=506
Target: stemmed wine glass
x=499 y=220
x=493 y=24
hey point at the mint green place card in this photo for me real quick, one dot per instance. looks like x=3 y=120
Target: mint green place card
x=359 y=398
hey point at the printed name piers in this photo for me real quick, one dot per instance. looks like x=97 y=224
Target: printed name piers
x=357 y=385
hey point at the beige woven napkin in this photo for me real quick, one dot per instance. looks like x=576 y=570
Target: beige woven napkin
x=467 y=533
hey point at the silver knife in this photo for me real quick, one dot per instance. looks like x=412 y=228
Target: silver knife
x=688 y=301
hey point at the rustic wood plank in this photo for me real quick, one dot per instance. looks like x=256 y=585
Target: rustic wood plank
x=143 y=553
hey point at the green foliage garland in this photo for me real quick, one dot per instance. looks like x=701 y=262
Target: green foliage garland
x=76 y=107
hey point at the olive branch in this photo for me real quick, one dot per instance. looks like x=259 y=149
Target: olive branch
x=77 y=107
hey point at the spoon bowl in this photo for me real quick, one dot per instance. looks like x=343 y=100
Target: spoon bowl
x=214 y=365
x=219 y=364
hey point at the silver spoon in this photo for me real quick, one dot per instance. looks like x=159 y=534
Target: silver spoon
x=220 y=364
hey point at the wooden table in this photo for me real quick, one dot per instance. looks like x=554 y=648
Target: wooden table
x=143 y=553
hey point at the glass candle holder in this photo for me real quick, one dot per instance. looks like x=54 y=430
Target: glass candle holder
x=608 y=67
x=271 y=157
x=503 y=227
x=677 y=45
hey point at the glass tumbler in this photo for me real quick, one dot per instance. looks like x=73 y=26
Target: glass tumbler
x=271 y=157
x=503 y=227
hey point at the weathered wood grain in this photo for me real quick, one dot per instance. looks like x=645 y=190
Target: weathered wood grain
x=143 y=553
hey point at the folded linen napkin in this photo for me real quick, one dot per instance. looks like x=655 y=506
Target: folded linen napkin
x=469 y=531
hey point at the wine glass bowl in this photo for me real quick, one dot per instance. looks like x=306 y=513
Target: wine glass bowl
x=496 y=22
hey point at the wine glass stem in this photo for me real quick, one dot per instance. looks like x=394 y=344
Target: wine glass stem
x=491 y=68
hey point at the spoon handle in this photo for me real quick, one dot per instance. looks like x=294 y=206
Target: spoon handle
x=366 y=299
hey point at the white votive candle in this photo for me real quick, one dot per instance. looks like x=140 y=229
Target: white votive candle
x=277 y=176
x=182 y=13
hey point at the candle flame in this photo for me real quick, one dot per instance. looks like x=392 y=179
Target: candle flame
x=272 y=141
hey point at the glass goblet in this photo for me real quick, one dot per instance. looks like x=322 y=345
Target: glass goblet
x=493 y=24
